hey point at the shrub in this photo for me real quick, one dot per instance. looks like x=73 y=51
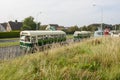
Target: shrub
x=9 y=34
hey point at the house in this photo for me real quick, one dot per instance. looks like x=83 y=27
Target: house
x=107 y=31
x=43 y=27
x=54 y=27
x=14 y=26
x=10 y=26
x=2 y=28
x=99 y=32
x=5 y=26
x=60 y=28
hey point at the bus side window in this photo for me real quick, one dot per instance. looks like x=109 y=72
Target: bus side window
x=33 y=40
x=27 y=38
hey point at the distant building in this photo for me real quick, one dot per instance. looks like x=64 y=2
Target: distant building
x=60 y=28
x=42 y=27
x=14 y=25
x=54 y=27
x=10 y=26
x=107 y=31
x=2 y=28
x=99 y=32
x=66 y=27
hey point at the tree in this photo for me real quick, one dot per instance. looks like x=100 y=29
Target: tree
x=84 y=28
x=29 y=24
x=72 y=29
x=39 y=24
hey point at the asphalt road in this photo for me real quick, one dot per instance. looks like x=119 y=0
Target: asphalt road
x=8 y=40
x=9 y=52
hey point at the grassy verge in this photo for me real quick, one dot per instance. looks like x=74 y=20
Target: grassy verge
x=7 y=44
x=89 y=60
x=9 y=38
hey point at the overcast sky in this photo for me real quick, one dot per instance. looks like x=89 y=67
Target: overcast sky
x=62 y=12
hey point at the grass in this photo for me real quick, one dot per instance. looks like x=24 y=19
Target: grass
x=9 y=38
x=88 y=60
x=70 y=36
x=7 y=44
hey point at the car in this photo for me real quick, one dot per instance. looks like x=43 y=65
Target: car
x=98 y=33
x=115 y=34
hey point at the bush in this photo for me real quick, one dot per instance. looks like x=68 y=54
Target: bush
x=10 y=34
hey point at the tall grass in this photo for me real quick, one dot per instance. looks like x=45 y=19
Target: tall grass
x=88 y=60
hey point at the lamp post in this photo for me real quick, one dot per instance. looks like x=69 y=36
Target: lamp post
x=101 y=16
x=37 y=23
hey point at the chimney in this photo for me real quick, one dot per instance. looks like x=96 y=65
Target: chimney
x=16 y=21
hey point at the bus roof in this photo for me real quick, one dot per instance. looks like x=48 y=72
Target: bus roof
x=81 y=32
x=34 y=33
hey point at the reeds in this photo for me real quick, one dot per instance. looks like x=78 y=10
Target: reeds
x=76 y=61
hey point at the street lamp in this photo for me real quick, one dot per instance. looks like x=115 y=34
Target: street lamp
x=101 y=16
x=37 y=23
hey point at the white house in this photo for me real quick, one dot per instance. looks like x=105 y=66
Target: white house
x=52 y=27
x=2 y=29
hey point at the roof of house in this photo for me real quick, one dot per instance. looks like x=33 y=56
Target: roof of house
x=4 y=25
x=15 y=25
x=2 y=29
x=61 y=26
x=54 y=25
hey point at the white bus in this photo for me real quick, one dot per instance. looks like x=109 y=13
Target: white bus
x=78 y=35
x=30 y=39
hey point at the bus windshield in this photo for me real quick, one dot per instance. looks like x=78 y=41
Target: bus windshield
x=22 y=38
x=25 y=38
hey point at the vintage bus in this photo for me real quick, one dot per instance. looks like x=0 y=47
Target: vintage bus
x=78 y=35
x=31 y=40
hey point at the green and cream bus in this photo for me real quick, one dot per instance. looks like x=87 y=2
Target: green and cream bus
x=30 y=39
x=78 y=35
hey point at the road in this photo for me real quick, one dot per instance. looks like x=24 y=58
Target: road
x=9 y=52
x=8 y=40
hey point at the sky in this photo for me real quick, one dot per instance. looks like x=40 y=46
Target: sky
x=62 y=12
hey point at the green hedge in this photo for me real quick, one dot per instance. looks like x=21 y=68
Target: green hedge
x=10 y=34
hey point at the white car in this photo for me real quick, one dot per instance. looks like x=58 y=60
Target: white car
x=115 y=34
x=98 y=33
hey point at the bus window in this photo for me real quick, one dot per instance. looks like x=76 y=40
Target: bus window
x=22 y=38
x=27 y=39
x=33 y=39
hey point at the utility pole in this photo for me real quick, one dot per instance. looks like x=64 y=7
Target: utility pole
x=101 y=16
x=115 y=28
x=37 y=23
